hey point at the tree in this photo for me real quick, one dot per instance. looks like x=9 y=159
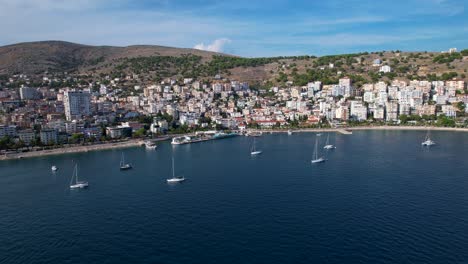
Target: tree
x=140 y=132
x=461 y=106
x=404 y=119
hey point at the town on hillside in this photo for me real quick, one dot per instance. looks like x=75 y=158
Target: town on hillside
x=67 y=110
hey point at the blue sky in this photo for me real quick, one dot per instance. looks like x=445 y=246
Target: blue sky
x=247 y=28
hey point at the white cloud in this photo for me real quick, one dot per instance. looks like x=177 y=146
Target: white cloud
x=216 y=46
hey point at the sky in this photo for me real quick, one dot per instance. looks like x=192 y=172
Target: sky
x=247 y=28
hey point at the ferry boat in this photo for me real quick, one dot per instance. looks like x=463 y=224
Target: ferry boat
x=221 y=135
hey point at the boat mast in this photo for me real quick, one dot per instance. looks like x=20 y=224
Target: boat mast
x=173 y=173
x=315 y=149
x=76 y=166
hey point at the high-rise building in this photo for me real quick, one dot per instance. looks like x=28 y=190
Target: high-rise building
x=77 y=104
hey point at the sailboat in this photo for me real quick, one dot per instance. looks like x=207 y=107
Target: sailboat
x=75 y=183
x=254 y=151
x=315 y=157
x=427 y=140
x=123 y=165
x=175 y=179
x=327 y=143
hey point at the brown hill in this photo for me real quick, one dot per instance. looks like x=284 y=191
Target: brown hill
x=37 y=57
x=158 y=61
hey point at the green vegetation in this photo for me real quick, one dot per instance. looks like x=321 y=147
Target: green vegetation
x=447 y=57
x=444 y=121
x=348 y=59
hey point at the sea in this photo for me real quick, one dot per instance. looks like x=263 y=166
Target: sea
x=380 y=197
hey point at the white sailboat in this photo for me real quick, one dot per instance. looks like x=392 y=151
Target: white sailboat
x=315 y=157
x=123 y=165
x=75 y=183
x=327 y=143
x=427 y=140
x=175 y=179
x=254 y=151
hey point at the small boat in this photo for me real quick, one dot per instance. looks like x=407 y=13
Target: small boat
x=150 y=145
x=254 y=151
x=254 y=134
x=427 y=140
x=315 y=157
x=290 y=132
x=123 y=165
x=54 y=168
x=327 y=143
x=75 y=183
x=175 y=179
x=318 y=134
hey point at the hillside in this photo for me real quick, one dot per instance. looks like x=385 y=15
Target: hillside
x=54 y=56
x=156 y=62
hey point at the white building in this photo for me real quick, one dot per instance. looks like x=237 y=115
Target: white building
x=385 y=69
x=358 y=110
x=77 y=104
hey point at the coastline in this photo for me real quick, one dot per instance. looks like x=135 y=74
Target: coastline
x=357 y=128
x=139 y=142
x=77 y=149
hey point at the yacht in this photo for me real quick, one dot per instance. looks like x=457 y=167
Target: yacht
x=150 y=145
x=54 y=168
x=327 y=143
x=175 y=179
x=254 y=151
x=123 y=165
x=427 y=140
x=315 y=157
x=75 y=183
x=290 y=132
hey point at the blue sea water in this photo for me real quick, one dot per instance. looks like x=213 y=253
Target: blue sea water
x=379 y=198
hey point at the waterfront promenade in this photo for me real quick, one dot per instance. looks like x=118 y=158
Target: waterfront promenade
x=140 y=142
